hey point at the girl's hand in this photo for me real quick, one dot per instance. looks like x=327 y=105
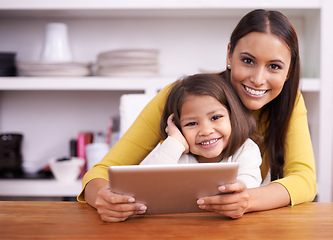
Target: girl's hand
x=173 y=131
x=234 y=201
x=114 y=207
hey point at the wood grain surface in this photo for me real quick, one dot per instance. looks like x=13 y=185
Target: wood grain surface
x=73 y=220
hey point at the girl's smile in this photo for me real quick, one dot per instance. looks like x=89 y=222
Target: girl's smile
x=209 y=143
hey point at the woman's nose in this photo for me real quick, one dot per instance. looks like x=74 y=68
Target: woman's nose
x=259 y=76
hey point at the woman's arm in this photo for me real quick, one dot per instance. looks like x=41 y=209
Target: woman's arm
x=299 y=168
x=238 y=200
x=271 y=196
x=134 y=146
x=110 y=206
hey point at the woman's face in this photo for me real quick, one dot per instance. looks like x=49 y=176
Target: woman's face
x=259 y=68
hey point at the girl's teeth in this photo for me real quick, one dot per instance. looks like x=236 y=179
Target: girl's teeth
x=254 y=92
x=209 y=142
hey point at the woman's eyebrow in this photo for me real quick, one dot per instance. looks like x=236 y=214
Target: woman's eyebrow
x=247 y=53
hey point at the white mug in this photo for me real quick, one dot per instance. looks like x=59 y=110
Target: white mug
x=56 y=45
x=95 y=152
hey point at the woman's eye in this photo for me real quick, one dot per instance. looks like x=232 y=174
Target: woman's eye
x=247 y=60
x=275 y=67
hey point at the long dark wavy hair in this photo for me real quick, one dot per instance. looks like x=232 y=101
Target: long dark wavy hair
x=243 y=124
x=277 y=113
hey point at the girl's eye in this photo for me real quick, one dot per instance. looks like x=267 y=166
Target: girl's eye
x=275 y=67
x=216 y=117
x=247 y=60
x=190 y=124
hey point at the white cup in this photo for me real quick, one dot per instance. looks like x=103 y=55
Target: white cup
x=95 y=152
x=67 y=170
x=56 y=45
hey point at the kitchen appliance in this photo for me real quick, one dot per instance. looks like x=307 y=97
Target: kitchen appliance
x=10 y=154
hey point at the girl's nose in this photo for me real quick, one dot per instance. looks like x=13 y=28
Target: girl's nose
x=206 y=129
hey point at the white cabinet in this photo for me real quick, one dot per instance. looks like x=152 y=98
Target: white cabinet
x=190 y=35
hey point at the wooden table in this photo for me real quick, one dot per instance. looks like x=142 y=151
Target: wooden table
x=72 y=220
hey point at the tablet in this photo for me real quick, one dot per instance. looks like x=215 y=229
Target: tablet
x=171 y=188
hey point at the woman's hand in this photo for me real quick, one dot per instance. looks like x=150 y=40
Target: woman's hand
x=234 y=201
x=114 y=207
x=173 y=131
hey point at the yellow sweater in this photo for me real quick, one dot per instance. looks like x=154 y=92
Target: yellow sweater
x=299 y=170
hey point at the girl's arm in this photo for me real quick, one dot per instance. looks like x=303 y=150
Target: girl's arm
x=249 y=158
x=171 y=149
x=168 y=152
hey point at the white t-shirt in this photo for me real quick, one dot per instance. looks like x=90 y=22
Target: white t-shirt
x=248 y=156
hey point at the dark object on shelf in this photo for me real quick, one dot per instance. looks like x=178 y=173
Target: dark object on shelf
x=10 y=154
x=7 y=64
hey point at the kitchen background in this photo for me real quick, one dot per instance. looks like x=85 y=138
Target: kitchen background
x=54 y=99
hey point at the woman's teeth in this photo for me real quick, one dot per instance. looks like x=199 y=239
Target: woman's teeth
x=254 y=92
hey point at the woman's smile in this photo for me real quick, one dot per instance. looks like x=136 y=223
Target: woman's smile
x=254 y=92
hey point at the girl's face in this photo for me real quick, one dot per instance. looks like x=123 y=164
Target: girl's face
x=206 y=127
x=259 y=68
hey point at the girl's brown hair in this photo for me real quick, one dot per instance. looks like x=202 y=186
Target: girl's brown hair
x=242 y=121
x=277 y=113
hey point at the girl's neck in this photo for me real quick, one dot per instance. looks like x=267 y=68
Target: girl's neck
x=202 y=159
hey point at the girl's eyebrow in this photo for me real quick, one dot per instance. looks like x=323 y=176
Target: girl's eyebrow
x=250 y=55
x=187 y=119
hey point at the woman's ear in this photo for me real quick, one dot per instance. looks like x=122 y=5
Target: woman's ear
x=229 y=55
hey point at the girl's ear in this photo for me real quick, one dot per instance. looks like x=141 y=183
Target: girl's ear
x=228 y=55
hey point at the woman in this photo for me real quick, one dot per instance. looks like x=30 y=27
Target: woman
x=263 y=67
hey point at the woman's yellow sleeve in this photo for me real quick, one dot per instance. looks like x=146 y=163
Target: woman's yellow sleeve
x=299 y=170
x=139 y=140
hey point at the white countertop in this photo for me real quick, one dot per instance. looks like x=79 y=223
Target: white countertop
x=38 y=188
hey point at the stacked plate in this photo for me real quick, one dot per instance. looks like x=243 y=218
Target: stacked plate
x=128 y=62
x=56 y=69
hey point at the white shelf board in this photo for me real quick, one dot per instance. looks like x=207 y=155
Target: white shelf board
x=107 y=83
x=146 y=4
x=39 y=188
x=147 y=8
x=309 y=85
x=85 y=83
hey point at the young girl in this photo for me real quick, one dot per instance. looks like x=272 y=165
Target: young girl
x=263 y=68
x=204 y=117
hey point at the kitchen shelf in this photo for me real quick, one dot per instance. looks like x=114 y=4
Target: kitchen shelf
x=39 y=188
x=147 y=84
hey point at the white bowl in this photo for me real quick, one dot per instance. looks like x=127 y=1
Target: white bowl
x=66 y=170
